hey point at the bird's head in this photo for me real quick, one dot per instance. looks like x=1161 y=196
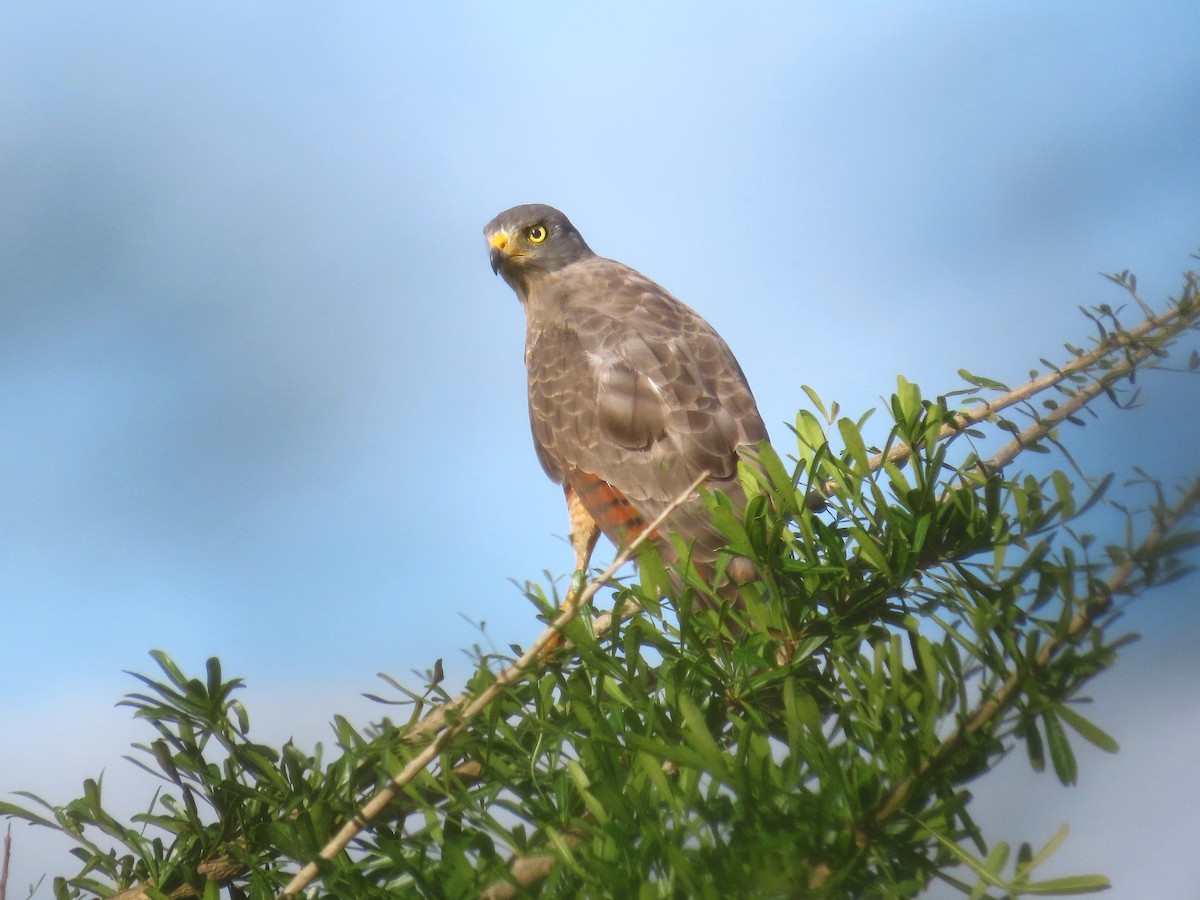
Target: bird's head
x=529 y=240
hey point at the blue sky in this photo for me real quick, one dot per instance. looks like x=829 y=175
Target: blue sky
x=264 y=399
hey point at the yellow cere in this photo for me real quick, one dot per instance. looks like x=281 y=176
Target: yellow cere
x=499 y=240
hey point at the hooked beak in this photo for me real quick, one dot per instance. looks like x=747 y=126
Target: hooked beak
x=499 y=252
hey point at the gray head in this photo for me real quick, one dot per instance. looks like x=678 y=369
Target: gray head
x=530 y=240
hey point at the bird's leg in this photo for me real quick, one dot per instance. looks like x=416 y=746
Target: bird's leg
x=584 y=534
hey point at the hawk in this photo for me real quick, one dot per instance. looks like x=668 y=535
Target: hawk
x=632 y=395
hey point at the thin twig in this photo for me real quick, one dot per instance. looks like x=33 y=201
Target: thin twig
x=976 y=414
x=1081 y=398
x=1096 y=604
x=964 y=419
x=471 y=707
x=4 y=864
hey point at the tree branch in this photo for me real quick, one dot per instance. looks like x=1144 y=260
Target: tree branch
x=1097 y=603
x=1136 y=337
x=1081 y=398
x=4 y=864
x=472 y=706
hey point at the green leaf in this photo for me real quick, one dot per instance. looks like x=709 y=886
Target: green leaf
x=997 y=858
x=18 y=812
x=1065 y=887
x=1049 y=849
x=1062 y=757
x=1062 y=490
x=855 y=446
x=612 y=688
x=1177 y=542
x=776 y=470
x=1034 y=747
x=675 y=753
x=908 y=399
x=980 y=381
x=810 y=435
x=978 y=866
x=816 y=401
x=870 y=551
x=1088 y=730
x=583 y=785
x=701 y=738
x=652 y=571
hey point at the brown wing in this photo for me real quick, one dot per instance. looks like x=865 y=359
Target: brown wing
x=631 y=389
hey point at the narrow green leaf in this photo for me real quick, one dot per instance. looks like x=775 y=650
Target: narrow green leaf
x=971 y=862
x=1088 y=730
x=869 y=550
x=683 y=756
x=701 y=739
x=1034 y=747
x=816 y=401
x=613 y=689
x=1061 y=755
x=777 y=472
x=997 y=858
x=1049 y=849
x=1065 y=887
x=855 y=446
x=1097 y=493
x=807 y=710
x=929 y=665
x=17 y=812
x=1177 y=542
x=651 y=766
x=583 y=785
x=810 y=435
x=652 y=572
x=980 y=381
x=168 y=666
x=1062 y=490
x=213 y=667
x=908 y=398
x=920 y=531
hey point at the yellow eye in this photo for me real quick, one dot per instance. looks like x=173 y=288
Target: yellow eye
x=537 y=234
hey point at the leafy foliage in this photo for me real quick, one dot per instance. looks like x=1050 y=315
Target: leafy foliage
x=921 y=612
